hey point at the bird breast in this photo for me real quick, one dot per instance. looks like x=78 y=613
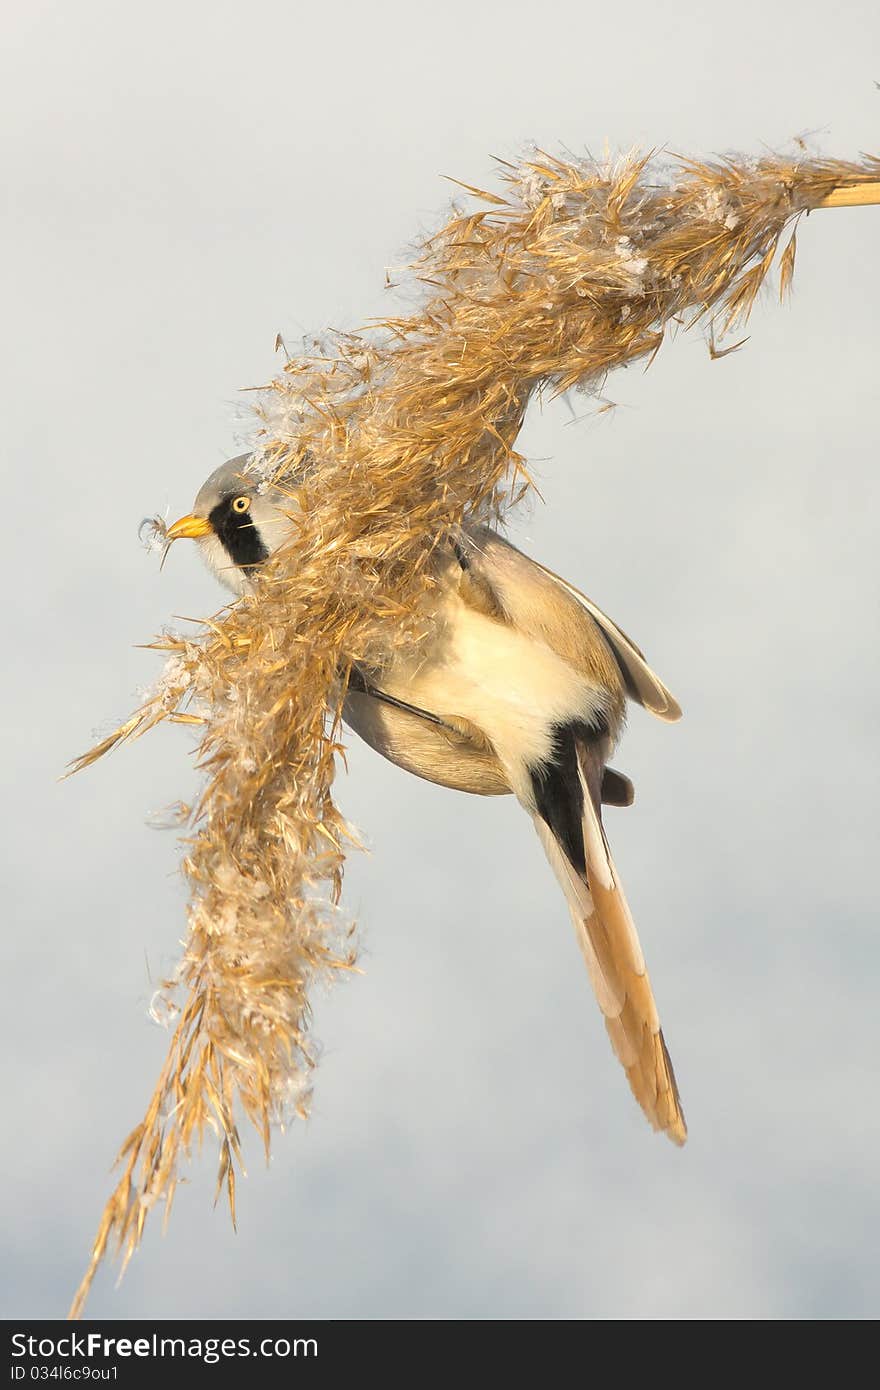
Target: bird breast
x=513 y=687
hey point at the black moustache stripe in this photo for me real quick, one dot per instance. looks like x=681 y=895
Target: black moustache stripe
x=238 y=535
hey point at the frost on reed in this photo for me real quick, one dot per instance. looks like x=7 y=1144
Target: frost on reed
x=389 y=438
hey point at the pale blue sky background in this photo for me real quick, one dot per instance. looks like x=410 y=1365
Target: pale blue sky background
x=179 y=184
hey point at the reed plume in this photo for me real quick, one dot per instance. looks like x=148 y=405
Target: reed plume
x=390 y=438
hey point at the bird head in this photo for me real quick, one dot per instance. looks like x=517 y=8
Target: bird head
x=237 y=521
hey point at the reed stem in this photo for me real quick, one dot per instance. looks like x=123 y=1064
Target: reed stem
x=853 y=195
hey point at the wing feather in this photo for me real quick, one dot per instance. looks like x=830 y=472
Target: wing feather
x=424 y=746
x=548 y=607
x=643 y=685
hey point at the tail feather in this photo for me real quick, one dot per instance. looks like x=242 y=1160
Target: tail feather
x=610 y=945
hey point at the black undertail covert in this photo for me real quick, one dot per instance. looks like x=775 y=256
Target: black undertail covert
x=558 y=792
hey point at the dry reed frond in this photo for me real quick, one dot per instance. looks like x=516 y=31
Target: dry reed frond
x=389 y=438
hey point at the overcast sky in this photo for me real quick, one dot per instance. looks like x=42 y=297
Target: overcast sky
x=181 y=182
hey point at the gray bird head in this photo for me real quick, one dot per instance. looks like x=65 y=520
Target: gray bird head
x=237 y=520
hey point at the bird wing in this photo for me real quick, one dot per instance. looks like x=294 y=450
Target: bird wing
x=451 y=755
x=542 y=603
x=610 y=944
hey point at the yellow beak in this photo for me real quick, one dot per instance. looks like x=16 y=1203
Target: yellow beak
x=189 y=527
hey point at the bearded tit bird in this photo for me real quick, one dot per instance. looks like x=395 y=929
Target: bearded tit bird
x=521 y=688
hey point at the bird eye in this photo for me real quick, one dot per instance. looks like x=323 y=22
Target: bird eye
x=241 y=504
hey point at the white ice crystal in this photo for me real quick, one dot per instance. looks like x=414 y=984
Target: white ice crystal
x=153 y=534
x=532 y=188
x=176 y=677
x=629 y=260
x=163 y=1010
x=716 y=206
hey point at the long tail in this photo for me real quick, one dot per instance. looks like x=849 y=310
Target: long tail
x=609 y=941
